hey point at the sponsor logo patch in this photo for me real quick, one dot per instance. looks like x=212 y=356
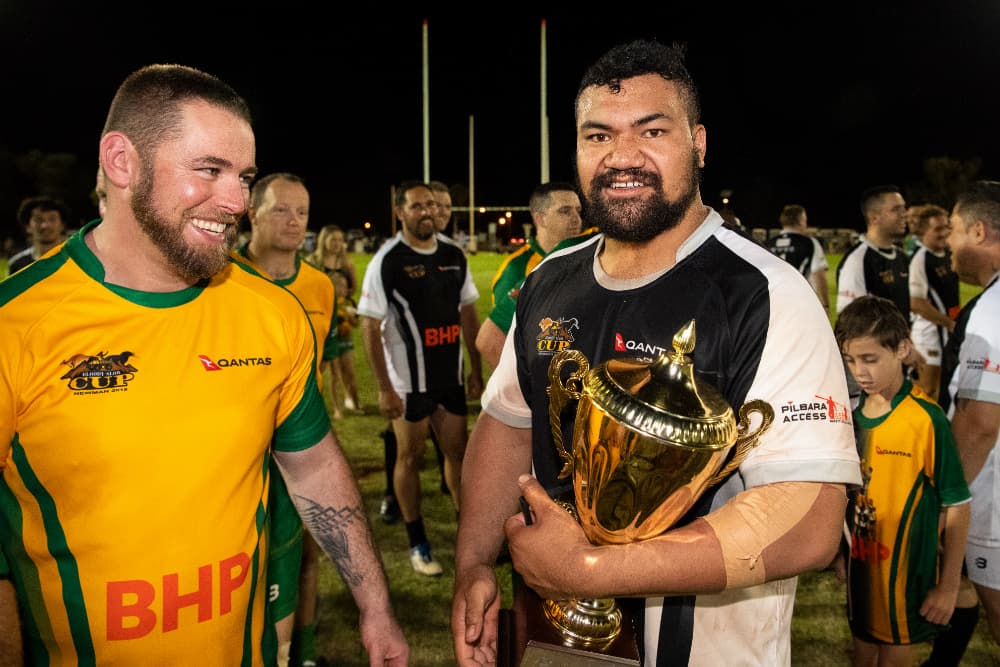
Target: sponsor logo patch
x=821 y=408
x=556 y=334
x=100 y=373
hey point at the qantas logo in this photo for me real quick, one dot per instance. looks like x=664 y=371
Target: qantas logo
x=647 y=349
x=209 y=365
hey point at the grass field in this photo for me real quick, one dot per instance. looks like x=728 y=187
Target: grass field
x=820 y=636
x=819 y=632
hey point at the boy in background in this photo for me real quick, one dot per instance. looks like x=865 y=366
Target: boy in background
x=902 y=584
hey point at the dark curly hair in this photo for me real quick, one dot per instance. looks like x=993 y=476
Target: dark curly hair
x=641 y=57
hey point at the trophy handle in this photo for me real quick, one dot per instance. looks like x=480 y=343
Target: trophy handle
x=560 y=394
x=746 y=439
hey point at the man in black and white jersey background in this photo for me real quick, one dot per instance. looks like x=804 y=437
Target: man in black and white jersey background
x=414 y=305
x=801 y=250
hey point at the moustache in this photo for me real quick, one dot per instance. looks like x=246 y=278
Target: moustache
x=608 y=178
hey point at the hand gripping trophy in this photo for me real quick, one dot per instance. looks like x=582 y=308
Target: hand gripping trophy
x=648 y=440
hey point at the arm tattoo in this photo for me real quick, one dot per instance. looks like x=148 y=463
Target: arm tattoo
x=327 y=524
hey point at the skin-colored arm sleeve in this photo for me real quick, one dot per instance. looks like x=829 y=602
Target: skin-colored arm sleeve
x=975 y=425
x=558 y=561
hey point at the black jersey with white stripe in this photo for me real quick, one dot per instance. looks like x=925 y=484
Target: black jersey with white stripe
x=760 y=333
x=868 y=269
x=417 y=294
x=800 y=250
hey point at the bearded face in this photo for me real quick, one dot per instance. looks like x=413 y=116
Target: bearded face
x=640 y=220
x=194 y=263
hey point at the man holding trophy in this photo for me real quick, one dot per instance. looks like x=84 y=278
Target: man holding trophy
x=715 y=580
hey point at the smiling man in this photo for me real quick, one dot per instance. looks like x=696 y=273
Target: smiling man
x=415 y=301
x=279 y=217
x=719 y=587
x=146 y=381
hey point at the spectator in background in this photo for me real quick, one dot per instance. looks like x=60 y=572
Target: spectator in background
x=556 y=216
x=800 y=249
x=279 y=218
x=442 y=216
x=44 y=220
x=414 y=297
x=876 y=264
x=332 y=257
x=934 y=293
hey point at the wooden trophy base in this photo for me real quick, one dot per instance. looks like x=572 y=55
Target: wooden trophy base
x=528 y=639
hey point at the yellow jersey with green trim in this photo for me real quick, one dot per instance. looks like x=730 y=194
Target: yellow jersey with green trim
x=319 y=298
x=910 y=471
x=135 y=438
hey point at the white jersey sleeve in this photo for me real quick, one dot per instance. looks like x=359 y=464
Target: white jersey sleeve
x=918 y=274
x=851 y=277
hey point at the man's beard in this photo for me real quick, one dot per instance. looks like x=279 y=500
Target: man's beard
x=639 y=220
x=420 y=231
x=191 y=262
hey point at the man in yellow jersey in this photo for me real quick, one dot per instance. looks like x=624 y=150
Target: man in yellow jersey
x=146 y=381
x=279 y=217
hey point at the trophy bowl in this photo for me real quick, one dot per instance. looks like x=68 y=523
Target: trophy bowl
x=648 y=440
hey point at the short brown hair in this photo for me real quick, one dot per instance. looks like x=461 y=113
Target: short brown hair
x=873 y=316
x=922 y=218
x=148 y=105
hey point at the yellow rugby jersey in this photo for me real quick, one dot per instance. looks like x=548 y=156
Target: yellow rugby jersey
x=134 y=442
x=910 y=471
x=316 y=292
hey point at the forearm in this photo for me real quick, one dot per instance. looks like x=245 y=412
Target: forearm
x=470 y=331
x=494 y=459
x=819 y=283
x=763 y=534
x=956 y=531
x=926 y=310
x=321 y=483
x=490 y=342
x=371 y=336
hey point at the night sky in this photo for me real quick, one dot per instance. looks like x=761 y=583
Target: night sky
x=803 y=103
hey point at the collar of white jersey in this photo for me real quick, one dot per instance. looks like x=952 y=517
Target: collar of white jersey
x=713 y=222
x=421 y=251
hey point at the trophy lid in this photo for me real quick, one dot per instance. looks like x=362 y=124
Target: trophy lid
x=663 y=399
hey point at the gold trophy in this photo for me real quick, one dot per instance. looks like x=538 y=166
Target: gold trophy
x=648 y=440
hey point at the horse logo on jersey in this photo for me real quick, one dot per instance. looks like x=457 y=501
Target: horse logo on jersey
x=556 y=335
x=101 y=372
x=415 y=271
